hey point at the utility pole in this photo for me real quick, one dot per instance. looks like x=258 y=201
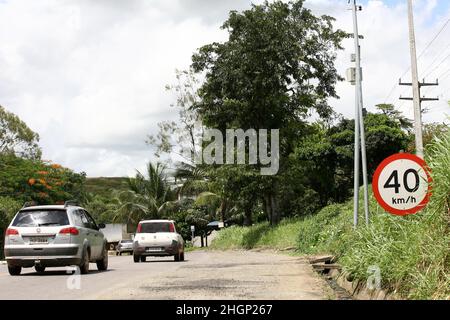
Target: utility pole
x=415 y=83
x=420 y=85
x=356 y=165
x=359 y=124
x=417 y=100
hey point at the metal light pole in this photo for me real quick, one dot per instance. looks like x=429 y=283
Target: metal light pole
x=359 y=123
x=356 y=166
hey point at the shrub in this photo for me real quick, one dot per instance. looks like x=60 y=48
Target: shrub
x=8 y=207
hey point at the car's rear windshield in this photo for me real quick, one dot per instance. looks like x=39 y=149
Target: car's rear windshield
x=41 y=218
x=155 y=227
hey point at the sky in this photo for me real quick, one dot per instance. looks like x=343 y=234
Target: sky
x=89 y=76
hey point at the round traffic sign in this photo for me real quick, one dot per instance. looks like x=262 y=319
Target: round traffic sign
x=402 y=184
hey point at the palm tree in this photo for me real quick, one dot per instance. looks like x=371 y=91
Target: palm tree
x=194 y=179
x=145 y=195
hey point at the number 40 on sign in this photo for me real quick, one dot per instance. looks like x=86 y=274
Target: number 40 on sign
x=402 y=184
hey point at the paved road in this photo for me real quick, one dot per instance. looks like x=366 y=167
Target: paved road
x=204 y=275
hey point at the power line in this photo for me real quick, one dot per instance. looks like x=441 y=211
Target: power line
x=439 y=110
x=435 y=68
x=441 y=54
x=428 y=46
x=390 y=93
x=432 y=40
x=445 y=74
x=435 y=88
x=420 y=56
x=394 y=87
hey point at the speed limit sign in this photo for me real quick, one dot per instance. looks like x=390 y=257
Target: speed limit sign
x=402 y=184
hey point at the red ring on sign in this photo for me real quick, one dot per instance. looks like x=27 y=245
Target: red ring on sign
x=376 y=177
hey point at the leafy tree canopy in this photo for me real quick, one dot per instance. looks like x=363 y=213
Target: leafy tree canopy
x=16 y=137
x=40 y=181
x=277 y=64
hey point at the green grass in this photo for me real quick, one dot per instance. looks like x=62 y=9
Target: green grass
x=104 y=186
x=258 y=236
x=413 y=252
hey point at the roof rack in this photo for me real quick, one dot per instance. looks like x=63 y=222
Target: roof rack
x=70 y=203
x=29 y=204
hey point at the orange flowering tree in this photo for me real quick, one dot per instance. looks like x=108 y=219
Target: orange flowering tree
x=36 y=180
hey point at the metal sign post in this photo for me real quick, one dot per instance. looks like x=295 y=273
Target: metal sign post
x=193 y=233
x=360 y=139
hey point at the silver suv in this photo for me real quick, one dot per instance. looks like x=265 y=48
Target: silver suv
x=54 y=236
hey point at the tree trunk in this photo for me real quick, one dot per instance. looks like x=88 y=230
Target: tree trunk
x=223 y=210
x=272 y=209
x=201 y=241
x=267 y=207
x=275 y=210
x=248 y=217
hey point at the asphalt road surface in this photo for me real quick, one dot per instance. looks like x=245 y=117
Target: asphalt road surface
x=204 y=275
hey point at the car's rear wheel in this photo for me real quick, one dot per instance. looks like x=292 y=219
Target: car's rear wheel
x=177 y=257
x=14 y=271
x=143 y=258
x=39 y=269
x=136 y=258
x=102 y=265
x=84 y=267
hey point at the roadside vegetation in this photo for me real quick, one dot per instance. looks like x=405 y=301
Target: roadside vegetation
x=412 y=252
x=105 y=186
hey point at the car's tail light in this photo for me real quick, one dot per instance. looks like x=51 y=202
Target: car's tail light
x=171 y=227
x=139 y=228
x=72 y=230
x=11 y=232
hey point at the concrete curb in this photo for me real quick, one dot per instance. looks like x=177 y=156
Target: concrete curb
x=358 y=290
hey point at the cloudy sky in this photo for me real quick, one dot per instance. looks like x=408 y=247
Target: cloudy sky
x=89 y=75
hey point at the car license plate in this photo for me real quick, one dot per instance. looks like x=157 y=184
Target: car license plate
x=38 y=240
x=154 y=249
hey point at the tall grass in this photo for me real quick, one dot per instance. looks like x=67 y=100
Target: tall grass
x=412 y=252
x=259 y=236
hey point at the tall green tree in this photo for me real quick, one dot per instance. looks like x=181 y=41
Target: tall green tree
x=323 y=159
x=179 y=138
x=16 y=137
x=392 y=113
x=276 y=67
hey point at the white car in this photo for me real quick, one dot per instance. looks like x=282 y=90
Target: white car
x=157 y=238
x=54 y=236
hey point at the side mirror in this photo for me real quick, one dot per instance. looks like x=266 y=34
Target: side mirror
x=101 y=226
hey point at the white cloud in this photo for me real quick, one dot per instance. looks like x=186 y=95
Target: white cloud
x=386 y=56
x=89 y=76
